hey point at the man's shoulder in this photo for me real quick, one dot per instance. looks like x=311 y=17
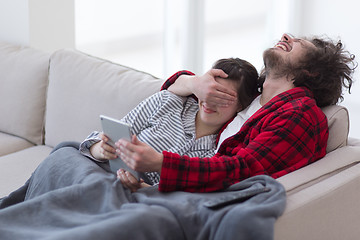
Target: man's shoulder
x=299 y=99
x=302 y=104
x=304 y=109
x=296 y=104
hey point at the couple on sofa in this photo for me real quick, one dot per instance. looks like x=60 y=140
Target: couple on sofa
x=288 y=132
x=282 y=129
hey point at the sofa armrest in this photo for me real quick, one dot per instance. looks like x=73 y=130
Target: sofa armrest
x=325 y=210
x=353 y=142
x=322 y=196
x=23 y=81
x=333 y=162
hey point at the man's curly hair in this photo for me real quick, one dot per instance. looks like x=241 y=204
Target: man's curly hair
x=326 y=71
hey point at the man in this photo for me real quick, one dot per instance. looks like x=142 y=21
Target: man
x=288 y=132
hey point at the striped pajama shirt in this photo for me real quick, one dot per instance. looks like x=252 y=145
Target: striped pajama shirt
x=165 y=121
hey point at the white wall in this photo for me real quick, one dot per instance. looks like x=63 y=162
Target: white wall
x=338 y=20
x=50 y=25
x=44 y=24
x=14 y=16
x=122 y=32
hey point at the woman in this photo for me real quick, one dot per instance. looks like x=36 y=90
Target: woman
x=165 y=121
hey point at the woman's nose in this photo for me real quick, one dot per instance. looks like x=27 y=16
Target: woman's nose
x=211 y=106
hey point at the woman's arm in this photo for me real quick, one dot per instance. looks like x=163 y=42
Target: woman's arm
x=95 y=147
x=139 y=116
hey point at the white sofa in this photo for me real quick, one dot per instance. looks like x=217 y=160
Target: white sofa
x=49 y=98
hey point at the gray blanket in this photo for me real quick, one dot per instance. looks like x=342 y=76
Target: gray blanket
x=72 y=197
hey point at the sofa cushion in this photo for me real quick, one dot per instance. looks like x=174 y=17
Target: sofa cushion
x=82 y=87
x=338 y=122
x=17 y=167
x=10 y=144
x=23 y=81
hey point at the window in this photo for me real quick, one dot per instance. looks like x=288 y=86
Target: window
x=125 y=32
x=235 y=29
x=154 y=36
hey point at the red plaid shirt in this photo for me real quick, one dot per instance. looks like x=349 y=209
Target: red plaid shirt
x=288 y=133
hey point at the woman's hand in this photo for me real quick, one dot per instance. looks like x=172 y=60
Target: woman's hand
x=102 y=150
x=139 y=156
x=129 y=181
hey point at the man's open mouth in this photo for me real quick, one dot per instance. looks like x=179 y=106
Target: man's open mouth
x=284 y=46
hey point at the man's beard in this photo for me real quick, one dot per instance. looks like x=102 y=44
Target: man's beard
x=272 y=59
x=275 y=64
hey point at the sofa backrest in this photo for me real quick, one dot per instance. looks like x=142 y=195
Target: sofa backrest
x=82 y=87
x=338 y=122
x=23 y=84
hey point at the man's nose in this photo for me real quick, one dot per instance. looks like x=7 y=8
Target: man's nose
x=286 y=38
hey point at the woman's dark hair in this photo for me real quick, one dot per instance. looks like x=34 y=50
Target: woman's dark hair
x=245 y=74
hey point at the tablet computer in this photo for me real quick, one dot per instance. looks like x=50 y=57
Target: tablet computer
x=115 y=130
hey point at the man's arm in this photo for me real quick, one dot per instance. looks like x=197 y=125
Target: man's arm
x=171 y=80
x=183 y=85
x=282 y=147
x=139 y=156
x=204 y=87
x=288 y=140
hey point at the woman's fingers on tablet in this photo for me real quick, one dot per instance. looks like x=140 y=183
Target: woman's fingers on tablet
x=109 y=148
x=128 y=180
x=107 y=151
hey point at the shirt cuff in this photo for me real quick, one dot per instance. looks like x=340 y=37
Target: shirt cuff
x=174 y=77
x=168 y=175
x=85 y=146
